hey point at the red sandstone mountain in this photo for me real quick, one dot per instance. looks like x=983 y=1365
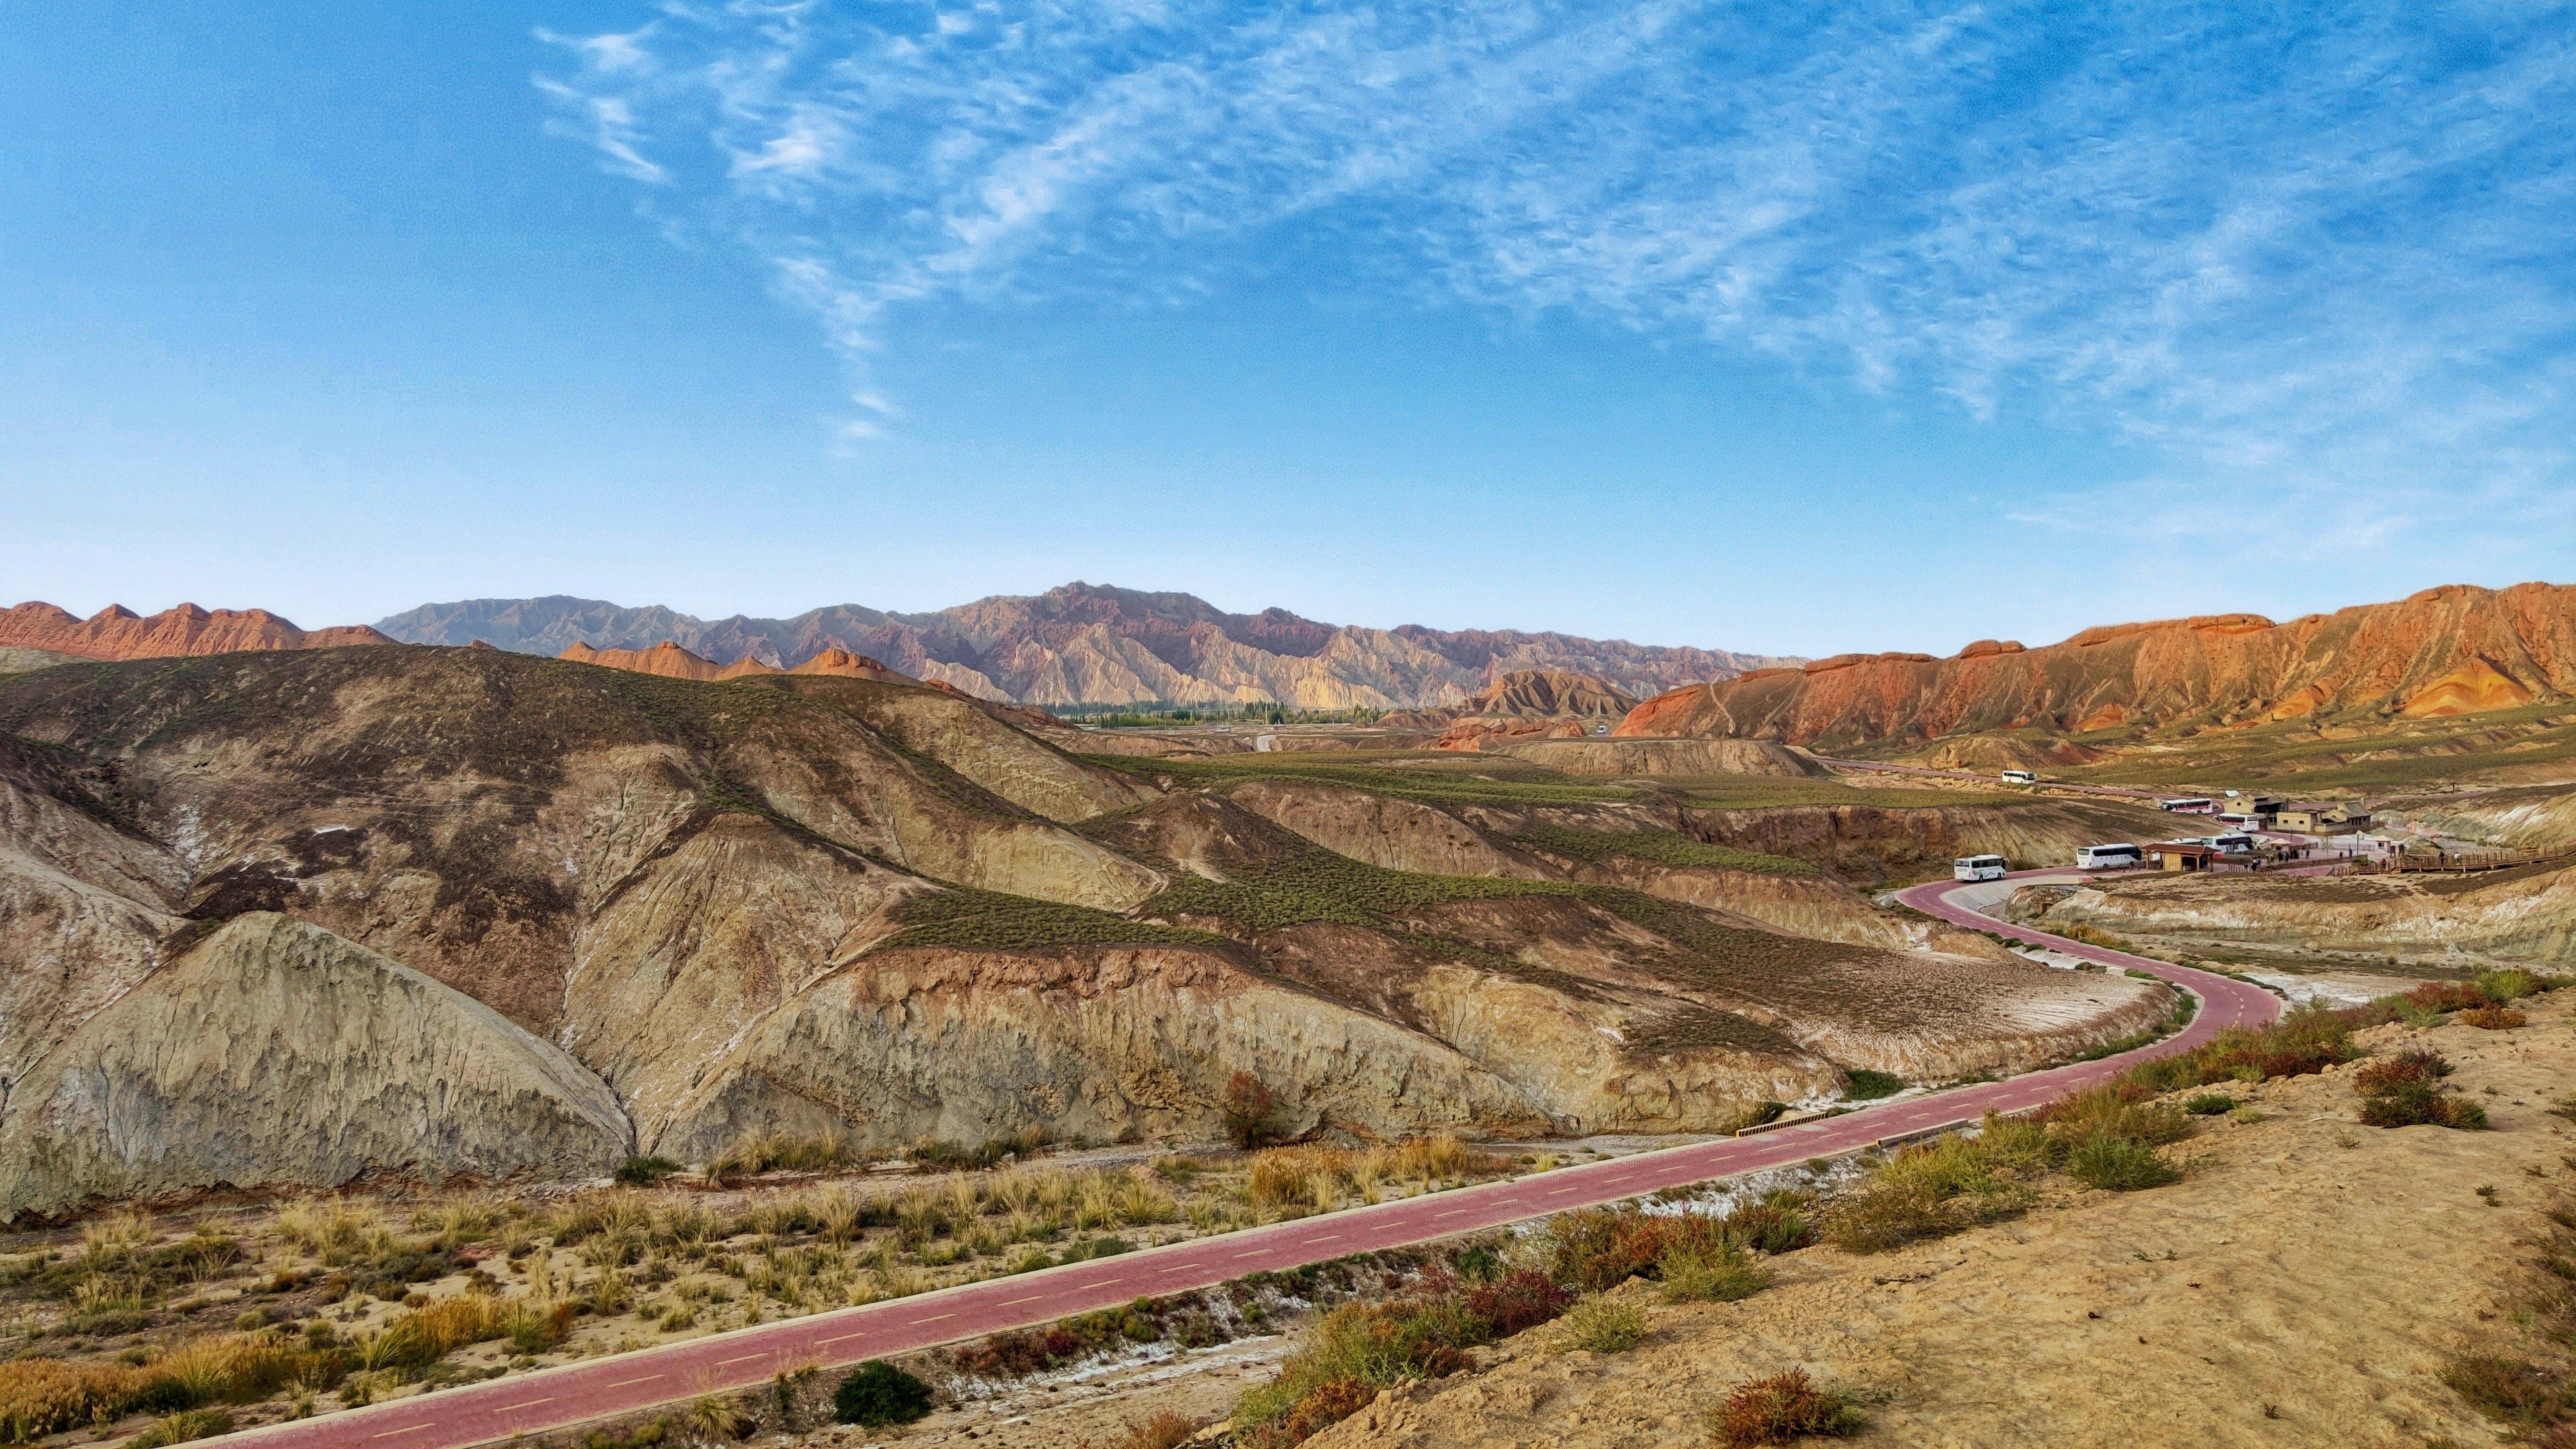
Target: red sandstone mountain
x=2457 y=649
x=116 y=632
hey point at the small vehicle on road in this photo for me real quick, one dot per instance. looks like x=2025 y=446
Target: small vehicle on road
x=2109 y=857
x=2020 y=777
x=1978 y=867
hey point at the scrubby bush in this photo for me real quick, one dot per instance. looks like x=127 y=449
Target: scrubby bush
x=1780 y=1410
x=2117 y=1164
x=1699 y=1275
x=1869 y=1086
x=1521 y=1299
x=1602 y=1325
x=181 y=1427
x=878 y=1395
x=1360 y=1348
x=2418 y=1104
x=1251 y=1114
x=2493 y=1018
x=1926 y=1191
x=2380 y=1075
x=2209 y=1104
x=645 y=1171
x=2307 y=1040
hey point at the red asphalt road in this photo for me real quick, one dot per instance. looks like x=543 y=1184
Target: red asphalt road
x=559 y=1397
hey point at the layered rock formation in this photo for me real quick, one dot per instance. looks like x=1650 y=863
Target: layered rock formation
x=274 y=1053
x=116 y=632
x=1082 y=644
x=381 y=880
x=2444 y=651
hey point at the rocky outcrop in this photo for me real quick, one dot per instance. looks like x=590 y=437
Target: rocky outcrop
x=1550 y=693
x=116 y=632
x=2450 y=650
x=1087 y=1042
x=16 y=659
x=275 y=1053
x=2520 y=917
x=1083 y=644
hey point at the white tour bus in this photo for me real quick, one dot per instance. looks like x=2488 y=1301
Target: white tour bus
x=2189 y=805
x=2235 y=844
x=1978 y=867
x=2109 y=857
x=2020 y=777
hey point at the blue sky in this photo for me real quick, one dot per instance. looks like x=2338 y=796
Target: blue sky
x=1791 y=328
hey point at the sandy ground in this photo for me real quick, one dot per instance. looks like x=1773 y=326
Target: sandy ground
x=2290 y=1290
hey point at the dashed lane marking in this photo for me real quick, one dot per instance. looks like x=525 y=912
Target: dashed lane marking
x=530 y=1404
x=623 y=1383
x=746 y=1358
x=389 y=1433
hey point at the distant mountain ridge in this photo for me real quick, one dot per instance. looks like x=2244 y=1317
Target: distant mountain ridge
x=1092 y=644
x=117 y=632
x=2453 y=650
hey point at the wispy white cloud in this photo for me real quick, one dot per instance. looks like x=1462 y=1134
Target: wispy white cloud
x=2328 y=256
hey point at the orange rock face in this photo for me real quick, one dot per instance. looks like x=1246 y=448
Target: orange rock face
x=2457 y=649
x=842 y=664
x=665 y=659
x=119 y=633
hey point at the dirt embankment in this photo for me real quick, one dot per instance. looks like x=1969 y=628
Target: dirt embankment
x=2519 y=917
x=2302 y=1285
x=1873 y=843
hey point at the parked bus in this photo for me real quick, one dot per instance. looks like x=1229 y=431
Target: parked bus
x=2234 y=843
x=2241 y=822
x=2109 y=857
x=2020 y=777
x=2188 y=805
x=1978 y=867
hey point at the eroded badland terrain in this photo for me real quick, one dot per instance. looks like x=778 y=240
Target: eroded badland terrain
x=338 y=977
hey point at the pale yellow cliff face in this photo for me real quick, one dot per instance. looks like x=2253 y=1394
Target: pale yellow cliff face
x=277 y=1054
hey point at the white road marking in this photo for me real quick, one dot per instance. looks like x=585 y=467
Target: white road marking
x=622 y=1383
x=389 y=1433
x=1016 y=1302
x=1453 y=1212
x=934 y=1318
x=1255 y=1253
x=746 y=1358
x=530 y=1404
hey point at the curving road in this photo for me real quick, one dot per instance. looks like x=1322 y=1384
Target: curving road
x=558 y=1397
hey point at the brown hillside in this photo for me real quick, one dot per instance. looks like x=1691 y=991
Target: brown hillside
x=1550 y=692
x=2451 y=650
x=116 y=632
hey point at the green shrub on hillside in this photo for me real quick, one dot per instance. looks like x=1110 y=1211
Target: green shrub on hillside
x=991 y=919
x=1663 y=847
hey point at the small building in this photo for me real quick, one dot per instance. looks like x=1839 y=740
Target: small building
x=2182 y=855
x=2314 y=817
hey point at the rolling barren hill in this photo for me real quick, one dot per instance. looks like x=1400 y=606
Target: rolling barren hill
x=1087 y=644
x=2444 y=652
x=649 y=914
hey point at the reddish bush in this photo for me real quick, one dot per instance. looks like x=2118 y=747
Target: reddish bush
x=2419 y=1104
x=1324 y=1406
x=2385 y=1074
x=2493 y=1018
x=1782 y=1409
x=2447 y=996
x=1523 y=1298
